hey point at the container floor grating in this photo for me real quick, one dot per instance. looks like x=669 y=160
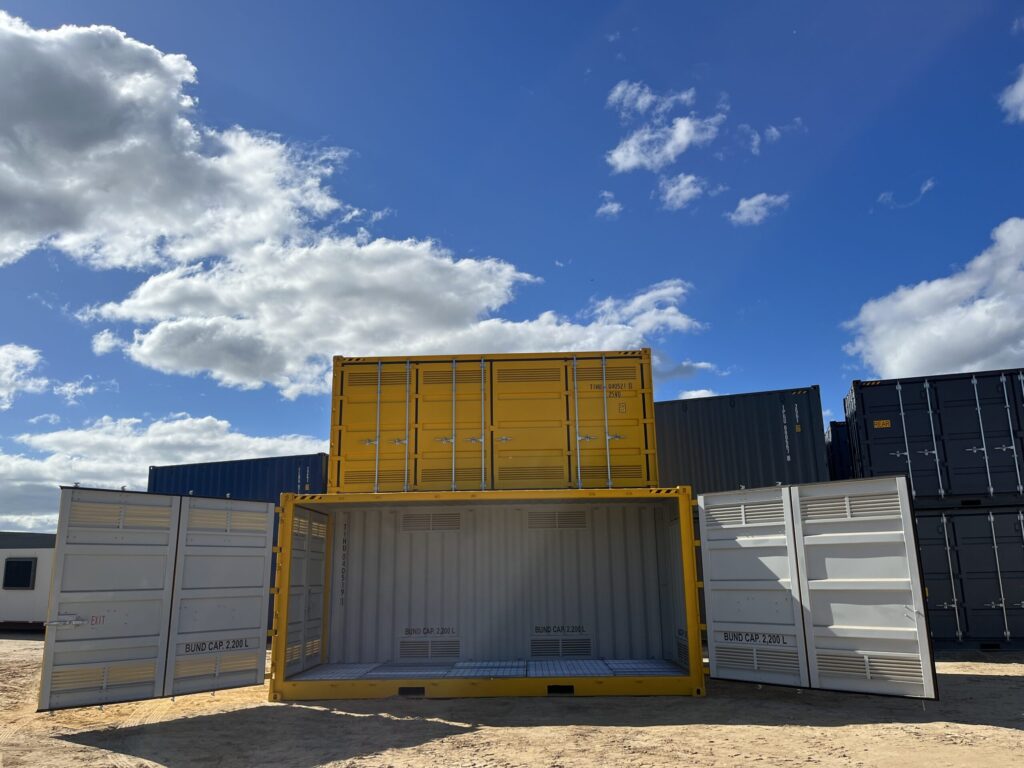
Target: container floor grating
x=486 y=669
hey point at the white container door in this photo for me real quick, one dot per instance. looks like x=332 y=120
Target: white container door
x=115 y=609
x=861 y=588
x=755 y=627
x=837 y=571
x=304 y=646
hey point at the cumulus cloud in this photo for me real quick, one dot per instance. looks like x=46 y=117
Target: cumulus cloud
x=111 y=452
x=751 y=138
x=751 y=211
x=73 y=391
x=632 y=99
x=1012 y=99
x=17 y=364
x=276 y=315
x=610 y=208
x=101 y=157
x=652 y=147
x=969 y=320
x=679 y=191
x=693 y=394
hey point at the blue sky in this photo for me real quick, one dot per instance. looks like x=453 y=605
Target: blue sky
x=768 y=195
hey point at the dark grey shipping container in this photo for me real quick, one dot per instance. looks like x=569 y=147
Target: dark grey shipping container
x=958 y=437
x=973 y=564
x=245 y=479
x=741 y=441
x=837 y=451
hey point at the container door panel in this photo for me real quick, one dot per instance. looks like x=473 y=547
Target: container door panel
x=943 y=586
x=452 y=435
x=377 y=456
x=218 y=624
x=861 y=590
x=530 y=424
x=294 y=657
x=110 y=600
x=754 y=618
x=612 y=424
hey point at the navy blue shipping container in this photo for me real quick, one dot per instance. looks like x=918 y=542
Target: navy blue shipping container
x=837 y=448
x=959 y=438
x=246 y=479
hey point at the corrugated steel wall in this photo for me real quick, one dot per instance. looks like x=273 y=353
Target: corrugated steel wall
x=247 y=479
x=487 y=581
x=959 y=438
x=741 y=441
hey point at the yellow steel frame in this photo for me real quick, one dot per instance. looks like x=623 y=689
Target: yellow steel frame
x=690 y=684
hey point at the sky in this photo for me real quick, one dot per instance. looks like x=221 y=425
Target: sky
x=201 y=203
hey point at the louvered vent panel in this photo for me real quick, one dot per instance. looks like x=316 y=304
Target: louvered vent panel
x=239 y=663
x=533 y=473
x=147 y=517
x=896 y=669
x=313 y=647
x=197 y=666
x=131 y=674
x=765 y=512
x=95 y=515
x=468 y=376
x=619 y=472
x=252 y=521
x=545 y=647
x=444 y=475
x=365 y=476
x=300 y=526
x=369 y=378
x=823 y=510
x=416 y=521
x=543 y=518
x=777 y=660
x=877 y=505
x=614 y=373
x=524 y=375
x=74 y=679
x=572 y=518
x=293 y=653
x=413 y=649
x=444 y=649
x=317 y=527
x=735 y=658
x=718 y=517
x=209 y=520
x=445 y=521
x=576 y=646
x=843 y=665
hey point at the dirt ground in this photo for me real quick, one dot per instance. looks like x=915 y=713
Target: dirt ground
x=979 y=722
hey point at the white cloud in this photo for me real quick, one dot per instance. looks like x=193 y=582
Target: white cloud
x=751 y=211
x=972 y=319
x=664 y=371
x=772 y=133
x=679 y=191
x=49 y=418
x=654 y=146
x=751 y=137
x=611 y=37
x=693 y=394
x=888 y=198
x=101 y=157
x=610 y=208
x=1018 y=25
x=276 y=315
x=113 y=452
x=73 y=391
x=17 y=363
x=631 y=99
x=1012 y=99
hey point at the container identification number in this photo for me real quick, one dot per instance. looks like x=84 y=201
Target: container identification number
x=756 y=638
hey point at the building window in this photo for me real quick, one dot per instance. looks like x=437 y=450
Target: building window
x=20 y=573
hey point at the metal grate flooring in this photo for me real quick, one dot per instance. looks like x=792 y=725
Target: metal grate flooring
x=487 y=669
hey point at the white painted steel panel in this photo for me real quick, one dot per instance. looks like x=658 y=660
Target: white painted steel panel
x=110 y=602
x=861 y=588
x=842 y=562
x=441 y=583
x=20 y=606
x=154 y=595
x=218 y=615
x=754 y=621
x=304 y=646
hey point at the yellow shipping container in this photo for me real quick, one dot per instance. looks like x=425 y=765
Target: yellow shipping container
x=493 y=422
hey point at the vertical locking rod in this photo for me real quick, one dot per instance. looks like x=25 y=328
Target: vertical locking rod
x=376 y=440
x=607 y=434
x=906 y=440
x=981 y=429
x=935 y=444
x=952 y=581
x=405 y=479
x=576 y=407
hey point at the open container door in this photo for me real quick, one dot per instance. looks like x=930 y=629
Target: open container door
x=154 y=595
x=844 y=555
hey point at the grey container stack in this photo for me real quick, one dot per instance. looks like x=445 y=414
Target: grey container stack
x=837 y=449
x=959 y=439
x=751 y=440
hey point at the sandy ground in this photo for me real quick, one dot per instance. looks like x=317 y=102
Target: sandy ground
x=978 y=722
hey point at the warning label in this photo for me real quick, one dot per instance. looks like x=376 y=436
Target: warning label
x=883 y=424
